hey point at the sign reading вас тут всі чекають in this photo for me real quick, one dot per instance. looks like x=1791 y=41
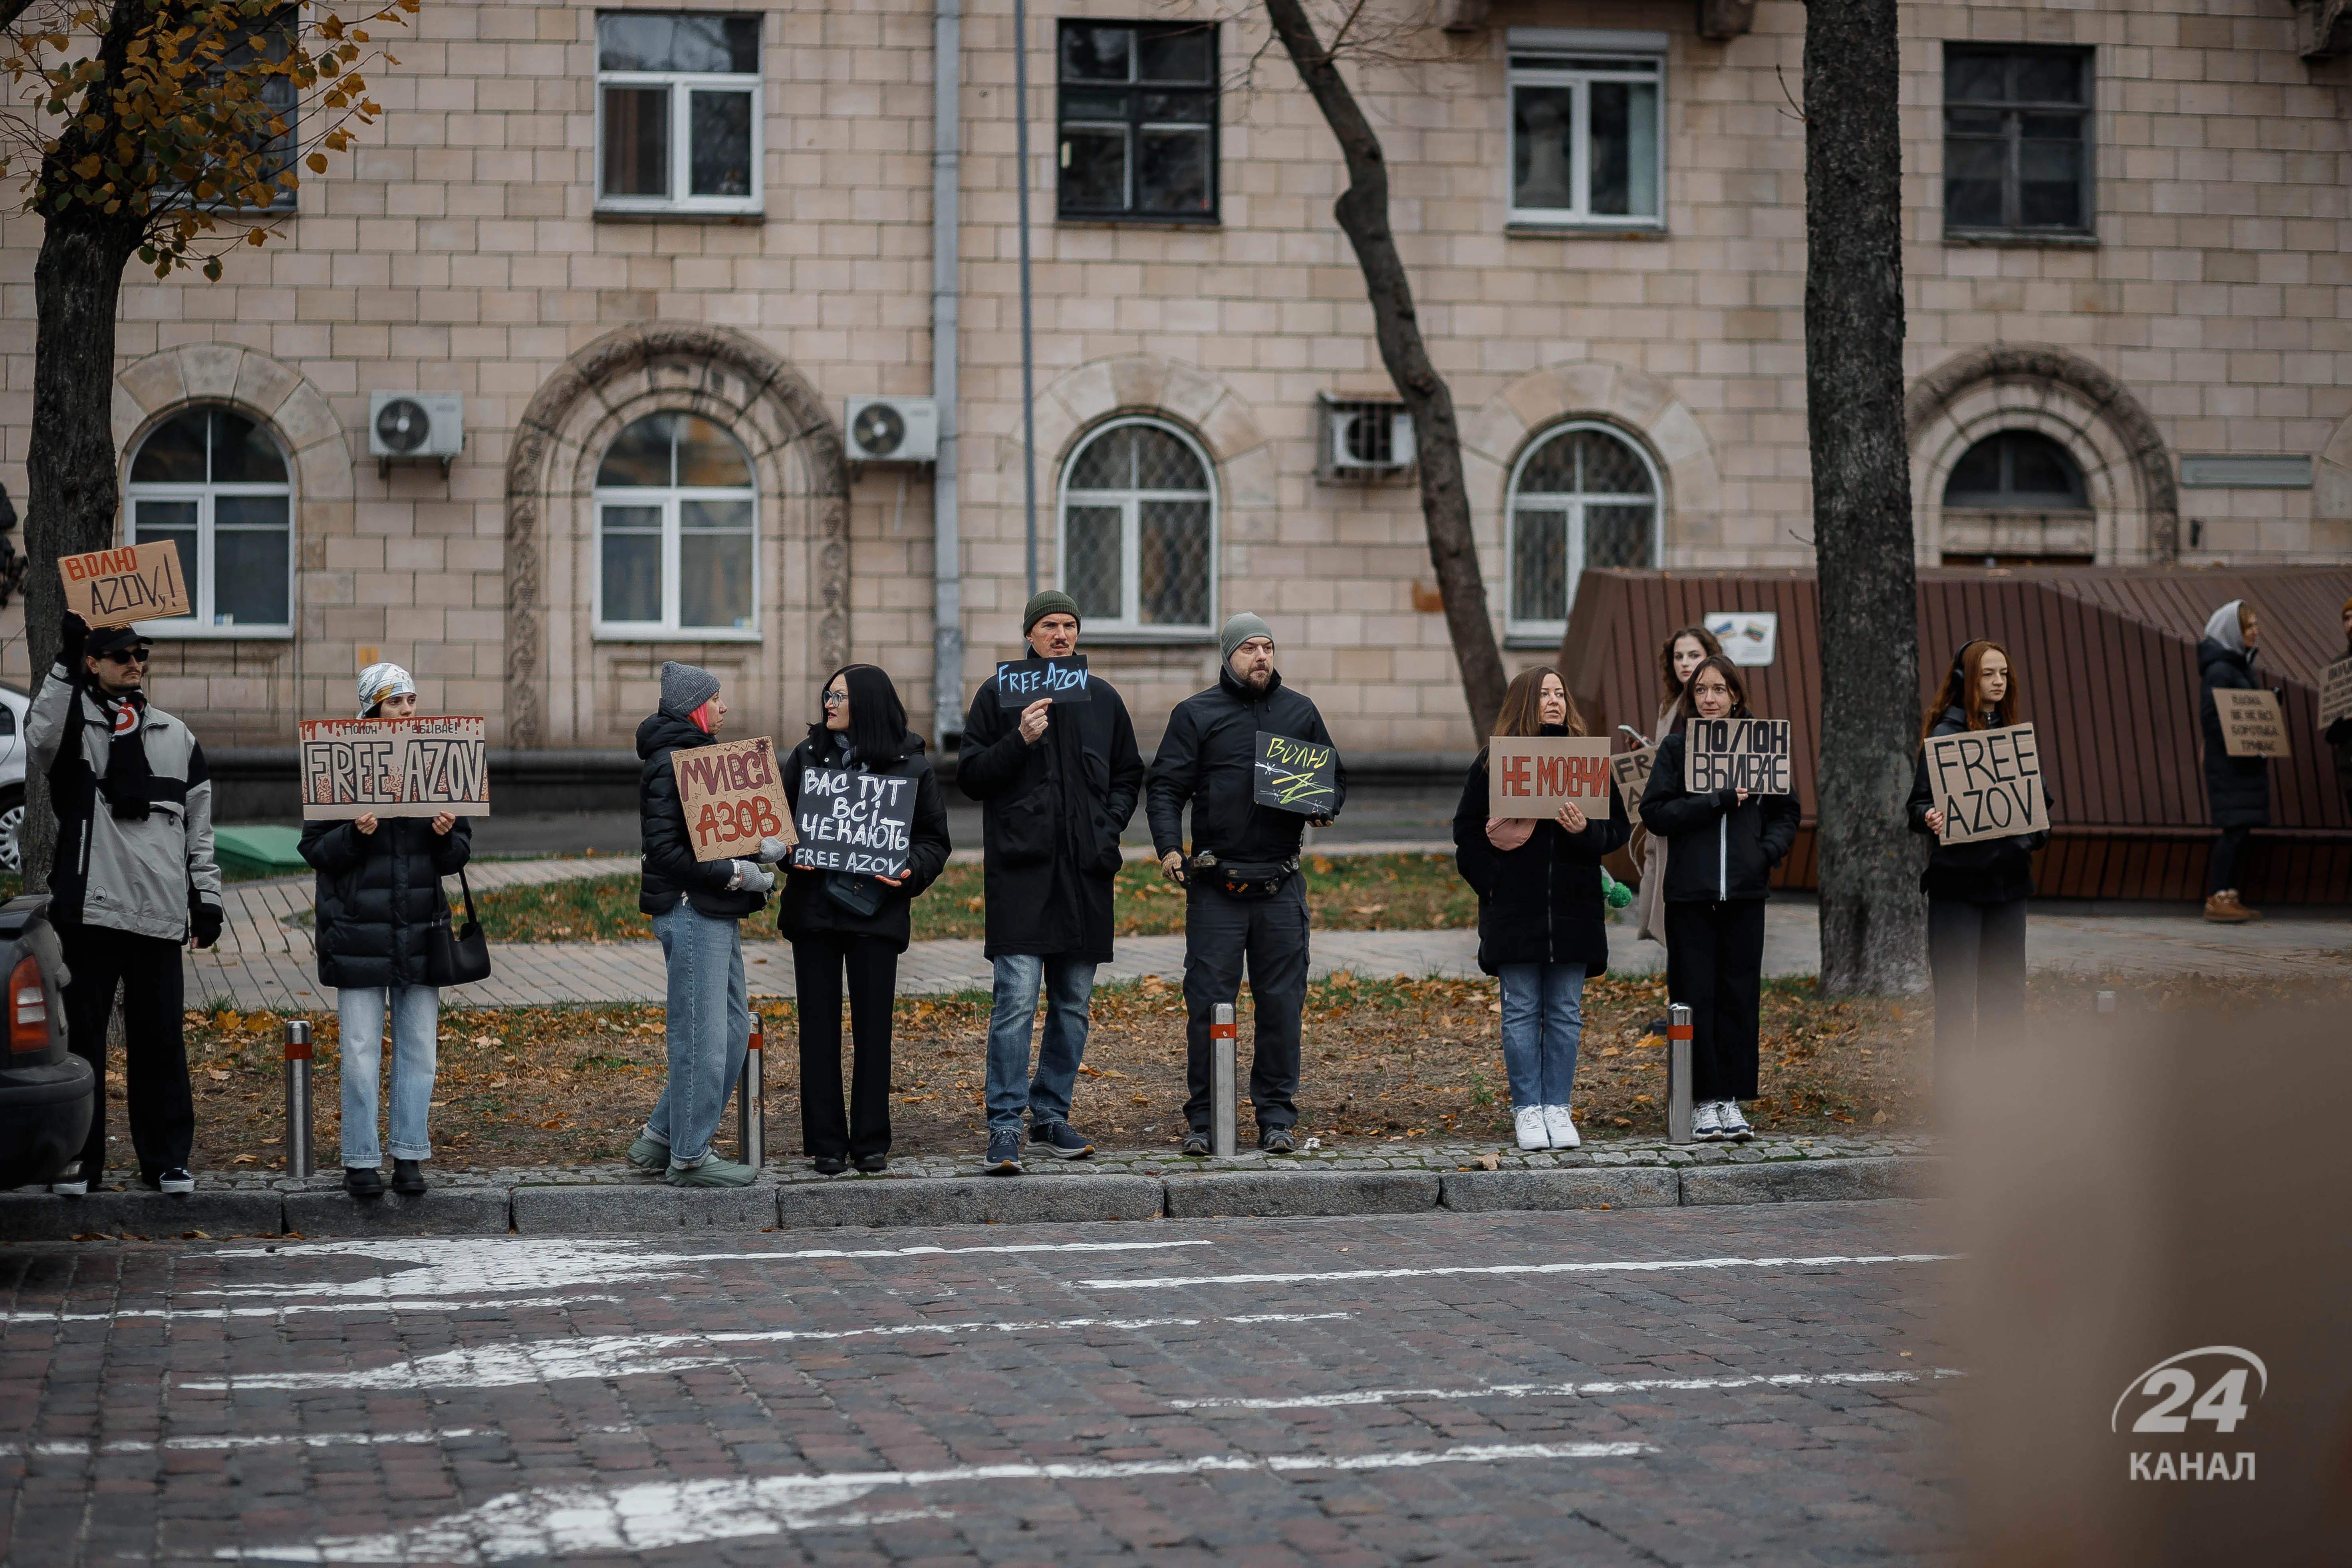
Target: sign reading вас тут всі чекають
x=861 y=824
x=394 y=767
x=1737 y=753
x=1987 y=782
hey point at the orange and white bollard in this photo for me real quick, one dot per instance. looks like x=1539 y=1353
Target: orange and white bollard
x=1223 y=1032
x=1678 y=1073
x=752 y=1101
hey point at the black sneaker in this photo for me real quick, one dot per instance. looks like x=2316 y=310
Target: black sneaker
x=1657 y=1026
x=1277 y=1141
x=1004 y=1158
x=829 y=1164
x=407 y=1179
x=1061 y=1140
x=175 y=1179
x=363 y=1181
x=872 y=1163
x=1196 y=1145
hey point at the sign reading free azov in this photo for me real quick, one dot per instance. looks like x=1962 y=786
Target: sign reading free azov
x=392 y=767
x=1987 y=782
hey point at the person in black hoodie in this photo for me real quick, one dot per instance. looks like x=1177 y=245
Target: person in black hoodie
x=1975 y=892
x=379 y=897
x=836 y=921
x=2238 y=789
x=1721 y=849
x=1540 y=915
x=1208 y=759
x=697 y=908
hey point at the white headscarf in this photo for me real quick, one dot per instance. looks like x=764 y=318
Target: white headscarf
x=380 y=682
x=2223 y=626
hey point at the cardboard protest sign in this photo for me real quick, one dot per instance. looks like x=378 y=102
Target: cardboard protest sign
x=394 y=767
x=1535 y=776
x=116 y=587
x=2252 y=724
x=1737 y=754
x=2335 y=692
x=1987 y=782
x=1631 y=771
x=1020 y=682
x=861 y=824
x=733 y=797
x=1296 y=776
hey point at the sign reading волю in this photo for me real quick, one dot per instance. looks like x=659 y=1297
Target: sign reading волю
x=116 y=587
x=2252 y=724
x=1737 y=754
x=1987 y=782
x=392 y=767
x=1296 y=776
x=733 y=796
x=1535 y=776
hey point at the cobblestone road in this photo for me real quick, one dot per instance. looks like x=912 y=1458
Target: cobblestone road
x=1761 y=1384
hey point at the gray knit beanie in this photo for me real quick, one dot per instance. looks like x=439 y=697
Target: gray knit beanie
x=1047 y=601
x=1240 y=629
x=685 y=688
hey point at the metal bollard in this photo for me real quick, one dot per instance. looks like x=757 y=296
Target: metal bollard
x=752 y=1101
x=299 y=1159
x=1678 y=1073
x=1223 y=1031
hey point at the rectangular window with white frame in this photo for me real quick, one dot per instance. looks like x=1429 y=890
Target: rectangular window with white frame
x=1588 y=128
x=678 y=112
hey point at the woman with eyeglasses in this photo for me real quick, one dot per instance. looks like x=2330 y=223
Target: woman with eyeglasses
x=379 y=897
x=856 y=924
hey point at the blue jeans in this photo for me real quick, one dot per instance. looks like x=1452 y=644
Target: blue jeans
x=415 y=1029
x=1543 y=1019
x=710 y=1028
x=1069 y=986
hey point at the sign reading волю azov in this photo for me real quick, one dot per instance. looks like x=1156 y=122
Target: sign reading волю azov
x=1535 y=776
x=392 y=767
x=1987 y=782
x=733 y=796
x=117 y=587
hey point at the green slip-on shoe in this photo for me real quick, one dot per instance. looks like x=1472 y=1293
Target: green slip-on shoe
x=713 y=1172
x=649 y=1154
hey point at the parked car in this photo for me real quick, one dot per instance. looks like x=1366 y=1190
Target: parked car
x=13 y=704
x=47 y=1093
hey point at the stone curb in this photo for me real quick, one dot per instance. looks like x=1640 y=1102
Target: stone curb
x=652 y=1209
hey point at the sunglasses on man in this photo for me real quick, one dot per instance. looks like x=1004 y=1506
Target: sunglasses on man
x=127 y=655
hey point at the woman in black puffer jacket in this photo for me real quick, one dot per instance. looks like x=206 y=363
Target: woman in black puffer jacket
x=1541 y=915
x=379 y=897
x=860 y=924
x=2237 y=789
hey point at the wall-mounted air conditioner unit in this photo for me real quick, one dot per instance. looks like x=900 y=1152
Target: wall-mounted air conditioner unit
x=1361 y=439
x=421 y=427
x=892 y=429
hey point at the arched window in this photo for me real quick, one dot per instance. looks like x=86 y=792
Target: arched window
x=1583 y=495
x=2017 y=470
x=676 y=513
x=214 y=483
x=1139 y=530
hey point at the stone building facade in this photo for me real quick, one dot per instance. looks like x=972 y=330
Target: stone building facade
x=2129 y=339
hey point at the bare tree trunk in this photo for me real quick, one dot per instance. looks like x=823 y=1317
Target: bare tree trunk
x=1873 y=920
x=73 y=494
x=1362 y=210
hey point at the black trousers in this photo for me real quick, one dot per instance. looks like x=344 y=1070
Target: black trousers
x=1977 y=954
x=1269 y=935
x=1715 y=966
x=2222 y=869
x=872 y=966
x=154 y=1052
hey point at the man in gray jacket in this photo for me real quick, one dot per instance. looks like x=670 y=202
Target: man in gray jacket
x=134 y=879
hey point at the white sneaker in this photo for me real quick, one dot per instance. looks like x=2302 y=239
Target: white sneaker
x=71 y=1183
x=1734 y=1126
x=1528 y=1121
x=1705 y=1124
x=1563 y=1130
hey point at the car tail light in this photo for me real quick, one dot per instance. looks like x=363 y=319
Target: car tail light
x=29 y=1008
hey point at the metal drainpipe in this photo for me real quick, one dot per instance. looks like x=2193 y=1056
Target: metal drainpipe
x=947 y=560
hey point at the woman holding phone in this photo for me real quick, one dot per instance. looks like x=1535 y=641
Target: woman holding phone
x=1540 y=915
x=1975 y=892
x=1722 y=846
x=858 y=925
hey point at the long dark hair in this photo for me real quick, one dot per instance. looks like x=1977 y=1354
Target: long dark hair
x=877 y=719
x=1960 y=690
x=1522 y=710
x=1707 y=644
x=1730 y=672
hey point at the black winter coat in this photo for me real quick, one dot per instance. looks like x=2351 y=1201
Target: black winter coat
x=670 y=867
x=379 y=895
x=803 y=910
x=2339 y=736
x=1541 y=902
x=1050 y=816
x=1208 y=759
x=1988 y=872
x=2238 y=789
x=1717 y=850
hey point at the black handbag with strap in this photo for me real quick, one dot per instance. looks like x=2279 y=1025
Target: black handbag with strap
x=459 y=957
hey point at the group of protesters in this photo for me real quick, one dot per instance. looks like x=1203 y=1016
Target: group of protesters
x=135 y=878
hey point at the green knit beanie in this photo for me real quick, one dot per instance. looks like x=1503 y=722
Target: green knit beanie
x=1048 y=602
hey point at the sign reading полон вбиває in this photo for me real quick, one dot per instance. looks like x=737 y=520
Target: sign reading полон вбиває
x=1296 y=776
x=1737 y=754
x=1020 y=682
x=1987 y=782
x=392 y=767
x=861 y=824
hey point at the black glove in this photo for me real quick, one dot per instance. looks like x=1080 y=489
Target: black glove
x=206 y=920
x=73 y=633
